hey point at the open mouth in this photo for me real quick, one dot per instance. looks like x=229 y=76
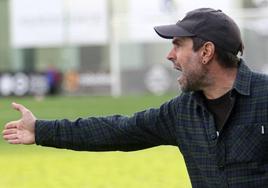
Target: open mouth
x=178 y=68
x=179 y=77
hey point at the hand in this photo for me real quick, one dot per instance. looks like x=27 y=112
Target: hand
x=21 y=131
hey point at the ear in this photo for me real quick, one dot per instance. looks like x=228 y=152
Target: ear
x=208 y=52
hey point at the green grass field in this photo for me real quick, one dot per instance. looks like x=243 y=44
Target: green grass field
x=42 y=167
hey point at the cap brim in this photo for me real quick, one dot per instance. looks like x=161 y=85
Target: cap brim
x=171 y=31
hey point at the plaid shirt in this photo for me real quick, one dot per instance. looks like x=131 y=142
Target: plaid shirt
x=237 y=157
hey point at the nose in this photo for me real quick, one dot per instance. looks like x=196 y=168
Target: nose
x=171 y=55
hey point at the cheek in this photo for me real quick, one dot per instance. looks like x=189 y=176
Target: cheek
x=190 y=67
x=184 y=62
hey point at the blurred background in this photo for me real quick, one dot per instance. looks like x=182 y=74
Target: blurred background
x=106 y=47
x=97 y=58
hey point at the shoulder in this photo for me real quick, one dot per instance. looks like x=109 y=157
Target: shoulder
x=182 y=98
x=258 y=78
x=259 y=83
x=181 y=102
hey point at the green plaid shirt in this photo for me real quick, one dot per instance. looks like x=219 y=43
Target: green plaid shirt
x=237 y=157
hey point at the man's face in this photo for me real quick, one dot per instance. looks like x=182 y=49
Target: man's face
x=184 y=59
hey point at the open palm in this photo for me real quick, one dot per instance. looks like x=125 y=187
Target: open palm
x=21 y=131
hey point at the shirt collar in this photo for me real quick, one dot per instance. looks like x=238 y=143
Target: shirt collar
x=243 y=79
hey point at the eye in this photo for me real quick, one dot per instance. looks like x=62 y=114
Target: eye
x=176 y=46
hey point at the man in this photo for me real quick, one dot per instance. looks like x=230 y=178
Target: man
x=219 y=122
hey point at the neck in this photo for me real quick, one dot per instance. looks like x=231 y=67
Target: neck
x=222 y=82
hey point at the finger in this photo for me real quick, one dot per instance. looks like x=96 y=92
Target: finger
x=9 y=131
x=11 y=125
x=14 y=141
x=19 y=107
x=10 y=137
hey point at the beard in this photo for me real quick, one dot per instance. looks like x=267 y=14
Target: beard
x=194 y=80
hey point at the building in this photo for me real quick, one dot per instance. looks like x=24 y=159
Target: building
x=123 y=56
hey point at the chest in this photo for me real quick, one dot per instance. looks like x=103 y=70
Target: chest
x=244 y=137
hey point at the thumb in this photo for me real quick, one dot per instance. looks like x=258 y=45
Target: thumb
x=19 y=107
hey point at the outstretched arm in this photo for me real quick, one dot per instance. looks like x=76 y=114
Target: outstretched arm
x=21 y=131
x=144 y=129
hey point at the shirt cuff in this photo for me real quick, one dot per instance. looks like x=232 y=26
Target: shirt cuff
x=45 y=132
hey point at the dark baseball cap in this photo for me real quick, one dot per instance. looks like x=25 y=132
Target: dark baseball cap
x=209 y=25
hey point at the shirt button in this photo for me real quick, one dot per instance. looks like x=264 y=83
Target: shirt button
x=213 y=136
x=221 y=166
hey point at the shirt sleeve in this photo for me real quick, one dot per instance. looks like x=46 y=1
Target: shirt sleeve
x=144 y=129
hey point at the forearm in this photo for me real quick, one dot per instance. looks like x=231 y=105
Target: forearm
x=143 y=130
x=92 y=134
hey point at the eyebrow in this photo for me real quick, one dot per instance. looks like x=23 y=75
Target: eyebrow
x=176 y=41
